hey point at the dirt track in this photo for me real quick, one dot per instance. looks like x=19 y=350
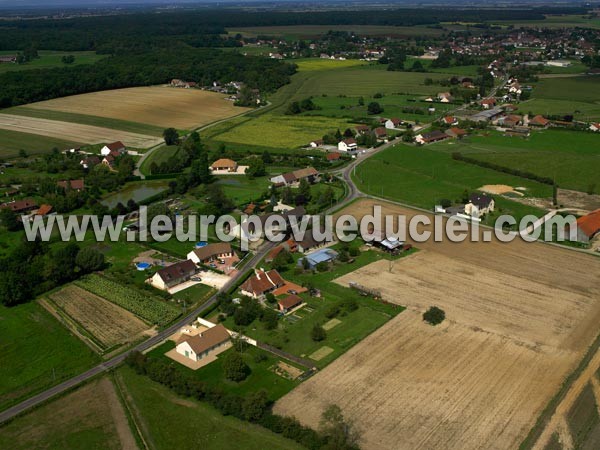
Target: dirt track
x=87 y=134
x=519 y=318
x=155 y=105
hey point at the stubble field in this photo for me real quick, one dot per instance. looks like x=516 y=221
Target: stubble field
x=107 y=323
x=519 y=318
x=155 y=105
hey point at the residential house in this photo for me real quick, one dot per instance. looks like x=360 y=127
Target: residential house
x=288 y=303
x=539 y=121
x=393 y=123
x=595 y=126
x=380 y=133
x=332 y=156
x=89 y=162
x=261 y=283
x=588 y=226
x=362 y=129
x=196 y=347
x=488 y=103
x=449 y=120
x=210 y=253
x=510 y=121
x=20 y=206
x=8 y=58
x=445 y=97
x=430 y=137
x=309 y=174
x=309 y=243
x=115 y=147
x=224 y=165
x=455 y=132
x=44 y=210
x=174 y=274
x=347 y=145
x=76 y=185
x=479 y=204
x=316 y=143
x=109 y=161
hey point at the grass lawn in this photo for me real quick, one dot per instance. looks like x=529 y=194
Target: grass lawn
x=84 y=119
x=195 y=295
x=241 y=189
x=423 y=176
x=13 y=141
x=49 y=59
x=260 y=378
x=158 y=156
x=36 y=352
x=572 y=158
x=170 y=422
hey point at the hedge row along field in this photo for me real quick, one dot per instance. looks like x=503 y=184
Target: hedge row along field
x=144 y=305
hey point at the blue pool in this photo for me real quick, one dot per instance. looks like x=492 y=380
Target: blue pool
x=142 y=265
x=201 y=244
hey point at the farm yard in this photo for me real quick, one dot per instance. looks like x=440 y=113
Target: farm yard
x=156 y=105
x=107 y=324
x=65 y=131
x=484 y=375
x=143 y=304
x=89 y=417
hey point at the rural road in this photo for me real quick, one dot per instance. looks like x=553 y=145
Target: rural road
x=117 y=360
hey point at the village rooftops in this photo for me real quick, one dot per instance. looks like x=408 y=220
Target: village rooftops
x=262 y=282
x=206 y=340
x=77 y=185
x=19 y=206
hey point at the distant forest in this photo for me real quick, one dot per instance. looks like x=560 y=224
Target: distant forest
x=152 y=48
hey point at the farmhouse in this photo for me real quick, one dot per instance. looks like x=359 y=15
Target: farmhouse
x=588 y=226
x=362 y=129
x=8 y=58
x=488 y=103
x=380 y=133
x=293 y=179
x=348 y=145
x=115 y=147
x=393 y=123
x=325 y=255
x=332 y=156
x=316 y=143
x=595 y=127
x=431 y=136
x=486 y=116
x=224 y=165
x=173 y=275
x=455 y=132
x=20 y=206
x=89 y=162
x=479 y=204
x=449 y=120
x=539 y=121
x=200 y=345
x=510 y=121
x=76 y=185
x=445 y=97
x=262 y=283
x=109 y=161
x=288 y=303
x=44 y=210
x=183 y=84
x=211 y=252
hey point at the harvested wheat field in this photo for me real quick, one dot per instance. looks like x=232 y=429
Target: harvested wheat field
x=155 y=105
x=108 y=323
x=519 y=318
x=87 y=134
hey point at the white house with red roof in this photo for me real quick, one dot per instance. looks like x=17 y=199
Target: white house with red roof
x=114 y=147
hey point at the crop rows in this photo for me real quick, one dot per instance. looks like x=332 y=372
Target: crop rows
x=143 y=305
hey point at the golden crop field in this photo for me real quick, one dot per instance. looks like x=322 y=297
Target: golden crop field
x=73 y=132
x=519 y=318
x=108 y=323
x=155 y=105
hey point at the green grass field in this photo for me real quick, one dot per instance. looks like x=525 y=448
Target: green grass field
x=169 y=421
x=36 y=352
x=571 y=158
x=158 y=156
x=84 y=119
x=13 y=141
x=49 y=59
x=311 y=64
x=424 y=176
x=260 y=378
x=579 y=96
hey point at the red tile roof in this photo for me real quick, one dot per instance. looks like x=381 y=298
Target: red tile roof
x=590 y=224
x=332 y=156
x=77 y=185
x=262 y=282
x=44 y=210
x=289 y=302
x=115 y=146
x=20 y=205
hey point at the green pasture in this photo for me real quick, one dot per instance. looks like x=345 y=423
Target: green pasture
x=169 y=421
x=13 y=141
x=49 y=59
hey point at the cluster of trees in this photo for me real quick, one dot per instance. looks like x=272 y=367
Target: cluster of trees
x=255 y=407
x=33 y=268
x=155 y=66
x=434 y=315
x=489 y=165
x=298 y=107
x=249 y=310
